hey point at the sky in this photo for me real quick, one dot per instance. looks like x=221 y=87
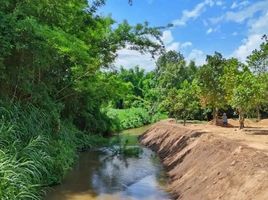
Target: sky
x=233 y=28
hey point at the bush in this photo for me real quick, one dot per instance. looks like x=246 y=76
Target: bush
x=129 y=118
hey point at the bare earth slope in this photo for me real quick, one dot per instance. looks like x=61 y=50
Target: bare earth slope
x=206 y=162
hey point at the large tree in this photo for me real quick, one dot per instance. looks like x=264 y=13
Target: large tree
x=258 y=63
x=243 y=90
x=170 y=70
x=51 y=53
x=209 y=80
x=183 y=103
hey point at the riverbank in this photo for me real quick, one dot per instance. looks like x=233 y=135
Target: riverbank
x=206 y=162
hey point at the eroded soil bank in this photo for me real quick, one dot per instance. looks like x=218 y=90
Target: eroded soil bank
x=203 y=165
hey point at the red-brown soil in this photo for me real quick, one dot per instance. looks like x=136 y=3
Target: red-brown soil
x=206 y=162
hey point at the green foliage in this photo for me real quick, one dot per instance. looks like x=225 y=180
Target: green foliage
x=244 y=90
x=34 y=151
x=258 y=60
x=171 y=70
x=130 y=118
x=183 y=103
x=209 y=76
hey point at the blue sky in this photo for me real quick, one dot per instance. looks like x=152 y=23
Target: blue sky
x=233 y=28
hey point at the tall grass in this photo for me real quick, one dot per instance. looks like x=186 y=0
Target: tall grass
x=35 y=151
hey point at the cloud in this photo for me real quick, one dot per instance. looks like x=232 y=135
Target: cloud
x=219 y=3
x=257 y=28
x=170 y=44
x=239 y=5
x=215 y=29
x=248 y=12
x=186 y=44
x=198 y=56
x=249 y=44
x=173 y=46
x=216 y=20
x=167 y=37
x=210 y=30
x=193 y=14
x=260 y=25
x=130 y=58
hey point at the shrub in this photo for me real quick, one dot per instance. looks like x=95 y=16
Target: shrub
x=129 y=118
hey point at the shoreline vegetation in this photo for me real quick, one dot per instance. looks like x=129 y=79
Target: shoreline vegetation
x=36 y=152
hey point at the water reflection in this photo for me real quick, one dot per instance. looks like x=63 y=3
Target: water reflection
x=100 y=176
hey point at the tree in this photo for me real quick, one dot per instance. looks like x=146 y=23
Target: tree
x=243 y=89
x=170 y=70
x=209 y=80
x=51 y=53
x=183 y=103
x=258 y=60
x=258 y=63
x=245 y=94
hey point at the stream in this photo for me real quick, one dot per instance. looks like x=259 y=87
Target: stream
x=100 y=175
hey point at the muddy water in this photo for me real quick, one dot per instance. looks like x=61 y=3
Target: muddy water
x=99 y=175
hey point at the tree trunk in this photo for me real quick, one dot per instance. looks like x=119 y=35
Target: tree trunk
x=215 y=116
x=184 y=122
x=241 y=120
x=258 y=114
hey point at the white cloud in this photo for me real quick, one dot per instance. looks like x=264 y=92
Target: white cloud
x=192 y=14
x=219 y=3
x=173 y=46
x=242 y=15
x=167 y=37
x=216 y=20
x=210 y=30
x=260 y=25
x=247 y=13
x=186 y=44
x=130 y=58
x=170 y=44
x=251 y=43
x=257 y=28
x=215 y=29
x=198 y=56
x=239 y=5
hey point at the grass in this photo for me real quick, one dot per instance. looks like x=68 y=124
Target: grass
x=36 y=152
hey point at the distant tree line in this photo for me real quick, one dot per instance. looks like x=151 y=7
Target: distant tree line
x=187 y=91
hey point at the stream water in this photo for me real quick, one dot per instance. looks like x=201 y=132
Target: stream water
x=100 y=175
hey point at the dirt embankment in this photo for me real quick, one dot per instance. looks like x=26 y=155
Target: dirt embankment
x=204 y=166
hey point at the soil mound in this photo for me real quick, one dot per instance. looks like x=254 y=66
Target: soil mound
x=235 y=123
x=204 y=166
x=263 y=122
